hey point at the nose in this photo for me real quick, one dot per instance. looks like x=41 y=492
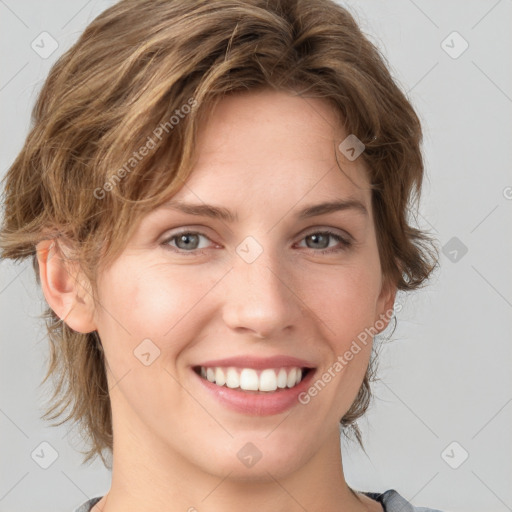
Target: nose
x=261 y=297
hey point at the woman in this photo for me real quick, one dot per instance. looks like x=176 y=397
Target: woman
x=215 y=197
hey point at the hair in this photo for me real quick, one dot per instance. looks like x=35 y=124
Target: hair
x=112 y=137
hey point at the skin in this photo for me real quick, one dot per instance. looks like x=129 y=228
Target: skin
x=264 y=155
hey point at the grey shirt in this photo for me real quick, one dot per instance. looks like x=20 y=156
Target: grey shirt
x=390 y=500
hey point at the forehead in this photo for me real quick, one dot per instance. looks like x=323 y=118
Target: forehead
x=273 y=147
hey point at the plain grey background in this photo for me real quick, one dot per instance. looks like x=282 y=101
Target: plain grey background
x=439 y=429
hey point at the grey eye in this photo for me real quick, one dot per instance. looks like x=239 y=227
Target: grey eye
x=187 y=241
x=320 y=240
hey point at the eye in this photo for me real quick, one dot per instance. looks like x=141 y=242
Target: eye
x=186 y=241
x=189 y=242
x=320 y=240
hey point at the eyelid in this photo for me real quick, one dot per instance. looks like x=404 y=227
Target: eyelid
x=334 y=231
x=178 y=230
x=202 y=230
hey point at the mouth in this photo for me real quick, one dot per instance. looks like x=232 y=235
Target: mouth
x=254 y=381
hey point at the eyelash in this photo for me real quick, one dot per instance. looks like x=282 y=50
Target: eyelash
x=346 y=244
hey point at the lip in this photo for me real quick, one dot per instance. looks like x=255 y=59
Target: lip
x=259 y=403
x=259 y=363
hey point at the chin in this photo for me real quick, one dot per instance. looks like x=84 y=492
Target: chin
x=253 y=458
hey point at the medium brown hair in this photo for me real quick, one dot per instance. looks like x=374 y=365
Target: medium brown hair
x=146 y=74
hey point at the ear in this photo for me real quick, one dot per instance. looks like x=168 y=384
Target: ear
x=385 y=303
x=67 y=292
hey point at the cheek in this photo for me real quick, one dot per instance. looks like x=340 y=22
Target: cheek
x=346 y=313
x=148 y=301
x=344 y=300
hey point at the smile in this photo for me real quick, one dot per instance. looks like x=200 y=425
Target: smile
x=255 y=386
x=266 y=380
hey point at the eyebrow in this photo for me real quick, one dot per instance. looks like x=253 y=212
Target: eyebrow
x=219 y=212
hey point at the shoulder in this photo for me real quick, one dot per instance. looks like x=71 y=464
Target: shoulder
x=86 y=506
x=393 y=502
x=390 y=500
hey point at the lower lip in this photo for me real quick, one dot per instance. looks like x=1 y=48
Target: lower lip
x=257 y=404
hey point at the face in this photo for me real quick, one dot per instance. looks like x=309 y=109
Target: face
x=249 y=299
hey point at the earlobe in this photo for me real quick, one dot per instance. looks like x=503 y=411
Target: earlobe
x=63 y=289
x=385 y=304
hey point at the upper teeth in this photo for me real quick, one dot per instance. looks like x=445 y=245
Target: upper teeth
x=250 y=379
